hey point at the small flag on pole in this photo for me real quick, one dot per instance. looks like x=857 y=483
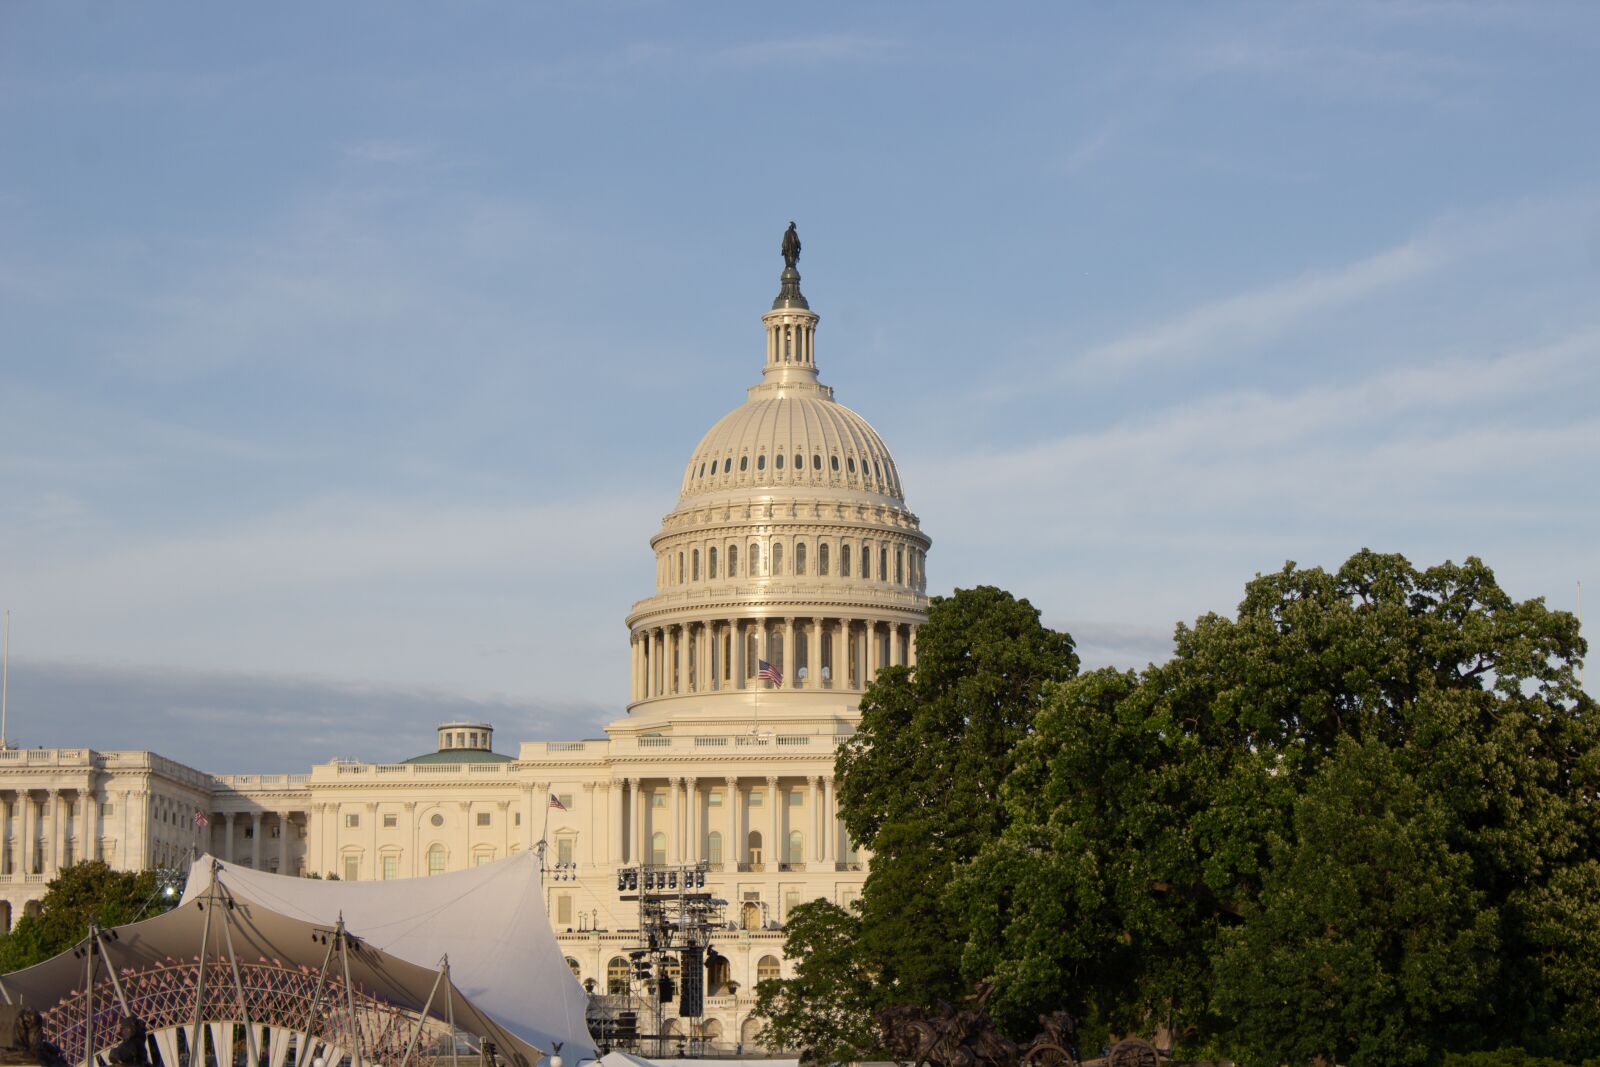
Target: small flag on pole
x=200 y=820
x=769 y=673
x=555 y=802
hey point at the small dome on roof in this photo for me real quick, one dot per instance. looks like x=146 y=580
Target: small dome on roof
x=463 y=742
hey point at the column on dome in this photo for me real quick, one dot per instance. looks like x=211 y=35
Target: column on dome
x=633 y=666
x=702 y=657
x=911 y=645
x=791 y=671
x=834 y=638
x=741 y=643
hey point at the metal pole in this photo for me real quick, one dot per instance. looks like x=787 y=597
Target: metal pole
x=450 y=1000
x=111 y=969
x=196 y=1055
x=251 y=1050
x=303 y=1046
x=422 y=1020
x=88 y=1003
x=349 y=994
x=5 y=680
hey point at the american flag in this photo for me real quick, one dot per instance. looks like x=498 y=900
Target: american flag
x=769 y=673
x=555 y=802
x=200 y=820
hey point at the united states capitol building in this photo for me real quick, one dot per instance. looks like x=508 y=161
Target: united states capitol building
x=791 y=545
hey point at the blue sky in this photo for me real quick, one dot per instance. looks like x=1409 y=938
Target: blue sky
x=350 y=354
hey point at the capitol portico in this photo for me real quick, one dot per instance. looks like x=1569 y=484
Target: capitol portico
x=788 y=573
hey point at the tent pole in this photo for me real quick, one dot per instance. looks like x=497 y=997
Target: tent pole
x=450 y=999
x=196 y=1055
x=422 y=1020
x=350 y=994
x=250 y=1036
x=302 y=1047
x=88 y=1001
x=4 y=992
x=111 y=969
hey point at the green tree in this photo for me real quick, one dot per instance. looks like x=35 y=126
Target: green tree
x=824 y=1011
x=1165 y=825
x=81 y=893
x=919 y=782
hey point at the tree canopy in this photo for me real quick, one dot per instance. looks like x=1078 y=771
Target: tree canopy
x=1355 y=821
x=80 y=893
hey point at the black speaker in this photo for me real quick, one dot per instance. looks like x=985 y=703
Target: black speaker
x=691 y=1001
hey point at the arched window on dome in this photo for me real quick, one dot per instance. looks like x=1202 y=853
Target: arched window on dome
x=733 y=561
x=695 y=557
x=799 y=462
x=779 y=460
x=822 y=559
x=755 y=560
x=727 y=465
x=799 y=559
x=850 y=464
x=816 y=461
x=844 y=559
x=761 y=462
x=866 y=560
x=835 y=461
x=777 y=559
x=744 y=463
x=899 y=566
x=711 y=563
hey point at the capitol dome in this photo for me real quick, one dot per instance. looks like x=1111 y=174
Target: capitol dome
x=790 y=548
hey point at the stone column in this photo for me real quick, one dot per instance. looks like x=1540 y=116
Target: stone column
x=830 y=829
x=730 y=828
x=8 y=826
x=30 y=830
x=911 y=646
x=285 y=828
x=739 y=641
x=815 y=851
x=776 y=822
x=696 y=844
x=588 y=840
x=674 y=838
x=227 y=836
x=502 y=810
x=255 y=840
x=58 y=829
x=90 y=846
x=638 y=855
x=617 y=799
x=791 y=675
x=836 y=639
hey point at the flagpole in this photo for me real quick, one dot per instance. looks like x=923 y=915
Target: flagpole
x=5 y=682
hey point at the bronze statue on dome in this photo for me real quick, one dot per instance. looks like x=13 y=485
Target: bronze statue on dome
x=791 y=247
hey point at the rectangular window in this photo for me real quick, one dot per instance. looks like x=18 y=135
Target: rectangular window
x=757 y=796
x=791 y=901
x=483 y=858
x=391 y=868
x=249 y=832
x=564 y=909
x=658 y=800
x=391 y=821
x=352 y=821
x=483 y=818
x=275 y=830
x=797 y=798
x=352 y=868
x=105 y=809
x=714 y=799
x=564 y=850
x=566 y=800
x=516 y=818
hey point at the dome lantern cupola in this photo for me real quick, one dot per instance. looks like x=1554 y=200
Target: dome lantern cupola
x=791 y=324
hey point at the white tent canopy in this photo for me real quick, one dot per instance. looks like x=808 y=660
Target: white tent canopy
x=489 y=920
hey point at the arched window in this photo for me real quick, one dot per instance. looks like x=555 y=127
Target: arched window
x=777 y=559
x=822 y=559
x=816 y=461
x=436 y=856
x=695 y=558
x=658 y=849
x=733 y=561
x=866 y=561
x=767 y=968
x=834 y=460
x=755 y=560
x=617 y=977
x=761 y=462
x=850 y=464
x=797 y=847
x=779 y=460
x=711 y=563
x=800 y=558
x=714 y=847
x=844 y=559
x=577 y=971
x=753 y=846
x=727 y=465
x=744 y=463
x=799 y=462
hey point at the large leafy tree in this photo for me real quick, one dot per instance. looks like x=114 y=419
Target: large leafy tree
x=81 y=893
x=919 y=782
x=825 y=1010
x=1366 y=803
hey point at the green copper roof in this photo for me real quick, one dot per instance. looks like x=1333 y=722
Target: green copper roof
x=461 y=755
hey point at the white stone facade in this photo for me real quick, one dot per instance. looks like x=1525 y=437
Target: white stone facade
x=791 y=544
